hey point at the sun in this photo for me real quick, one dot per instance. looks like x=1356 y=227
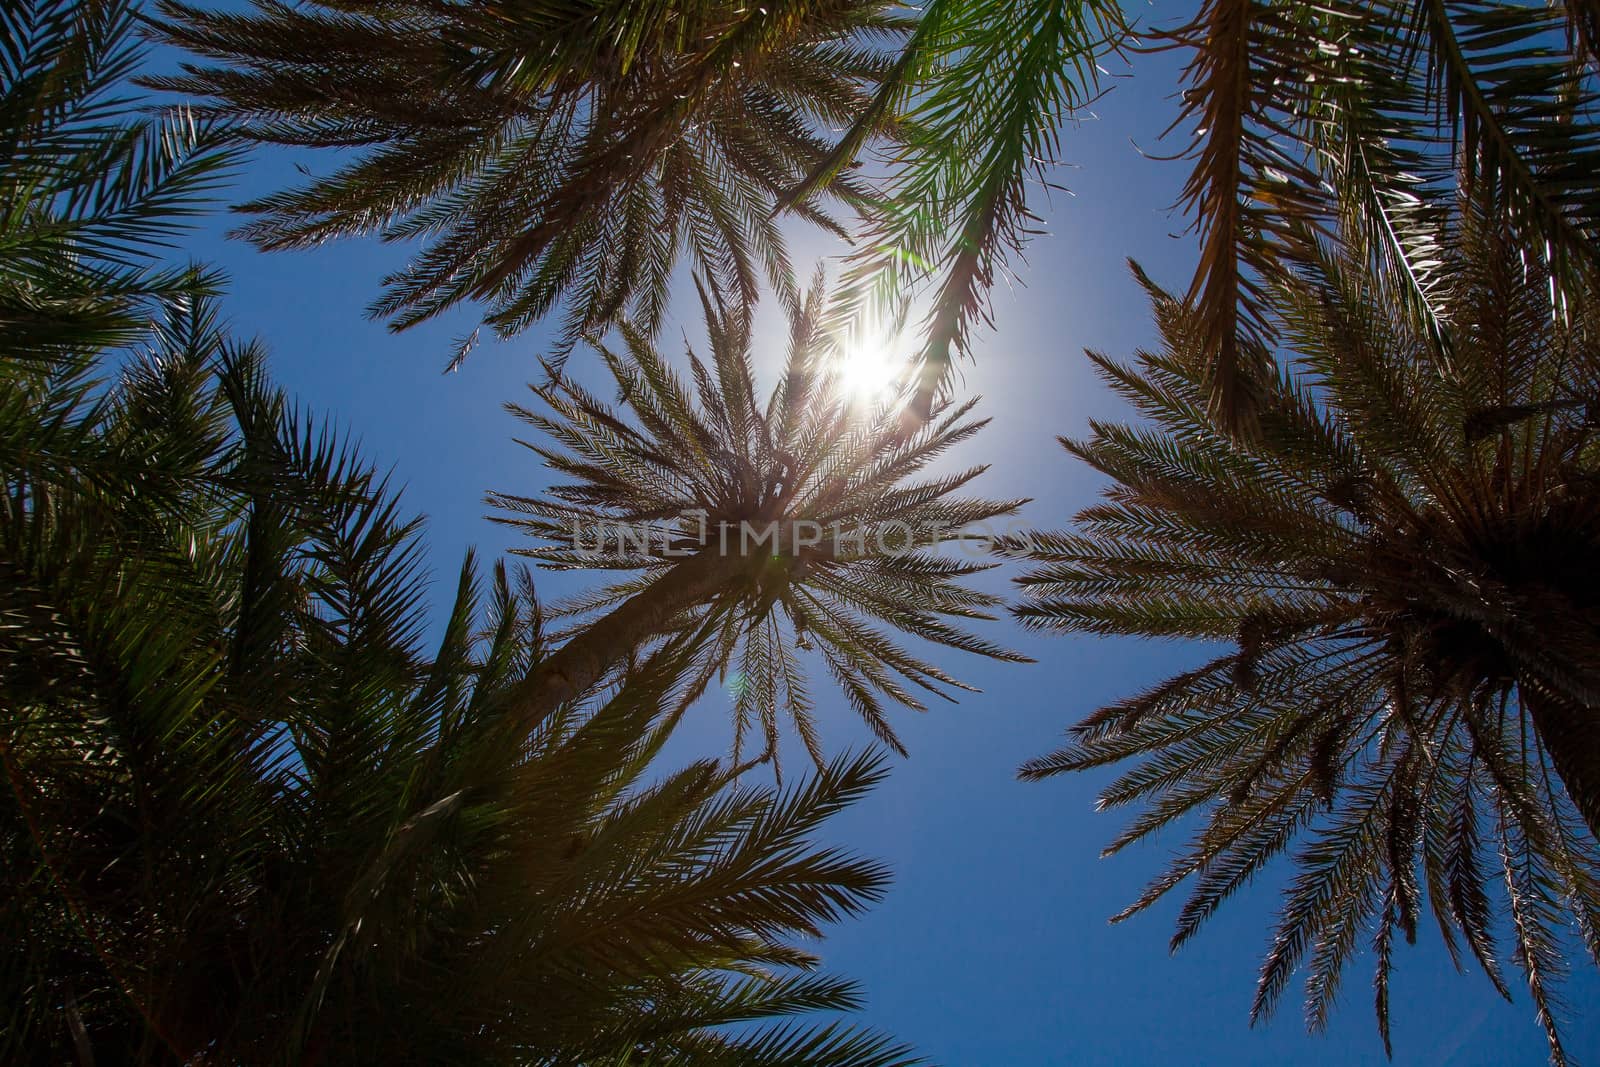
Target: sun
x=870 y=371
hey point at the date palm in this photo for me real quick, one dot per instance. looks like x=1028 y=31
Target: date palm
x=247 y=820
x=1402 y=559
x=543 y=153
x=761 y=532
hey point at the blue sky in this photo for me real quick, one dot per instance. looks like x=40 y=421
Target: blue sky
x=993 y=946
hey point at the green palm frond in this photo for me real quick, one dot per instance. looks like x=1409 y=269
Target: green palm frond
x=1401 y=559
x=983 y=88
x=546 y=157
x=765 y=533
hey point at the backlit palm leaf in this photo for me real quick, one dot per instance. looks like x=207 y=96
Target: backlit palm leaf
x=984 y=87
x=765 y=533
x=1306 y=114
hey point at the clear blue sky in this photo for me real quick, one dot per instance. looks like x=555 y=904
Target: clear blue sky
x=993 y=946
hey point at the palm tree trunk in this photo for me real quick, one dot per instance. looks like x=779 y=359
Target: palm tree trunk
x=571 y=670
x=1571 y=734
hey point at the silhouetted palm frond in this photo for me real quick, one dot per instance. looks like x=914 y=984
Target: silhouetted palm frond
x=1402 y=556
x=546 y=154
x=89 y=183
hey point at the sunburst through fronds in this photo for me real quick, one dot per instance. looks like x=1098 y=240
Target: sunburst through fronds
x=762 y=534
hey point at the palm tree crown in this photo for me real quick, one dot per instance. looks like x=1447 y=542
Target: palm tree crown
x=539 y=151
x=1403 y=558
x=761 y=532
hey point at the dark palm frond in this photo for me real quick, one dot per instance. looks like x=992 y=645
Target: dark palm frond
x=90 y=184
x=764 y=532
x=568 y=156
x=1401 y=558
x=246 y=818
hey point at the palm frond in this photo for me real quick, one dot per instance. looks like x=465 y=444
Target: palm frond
x=574 y=174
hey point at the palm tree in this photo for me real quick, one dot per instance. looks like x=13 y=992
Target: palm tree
x=545 y=152
x=247 y=821
x=90 y=184
x=1402 y=559
x=762 y=533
